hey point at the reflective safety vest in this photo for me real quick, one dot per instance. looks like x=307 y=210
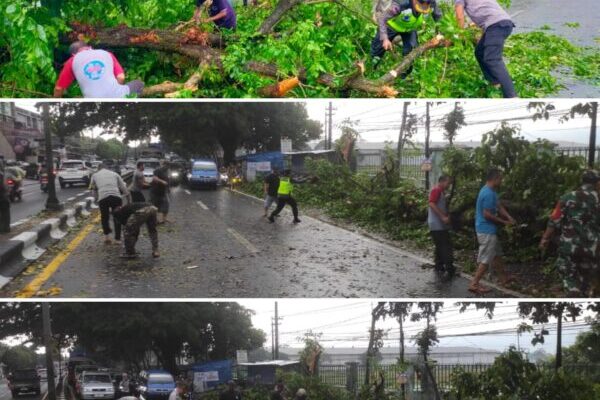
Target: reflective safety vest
x=406 y=21
x=285 y=187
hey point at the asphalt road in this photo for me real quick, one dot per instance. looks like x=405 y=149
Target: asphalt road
x=532 y=15
x=6 y=395
x=34 y=200
x=219 y=245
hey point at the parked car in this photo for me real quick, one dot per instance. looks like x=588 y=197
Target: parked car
x=203 y=173
x=74 y=171
x=96 y=385
x=24 y=381
x=156 y=384
x=150 y=164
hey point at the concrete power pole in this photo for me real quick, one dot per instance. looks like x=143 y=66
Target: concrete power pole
x=47 y=332
x=594 y=116
x=330 y=111
x=276 y=332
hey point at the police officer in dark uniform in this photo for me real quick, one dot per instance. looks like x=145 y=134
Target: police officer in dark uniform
x=284 y=196
x=404 y=18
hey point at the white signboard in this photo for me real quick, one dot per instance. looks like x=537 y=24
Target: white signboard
x=286 y=145
x=201 y=378
x=242 y=356
x=263 y=166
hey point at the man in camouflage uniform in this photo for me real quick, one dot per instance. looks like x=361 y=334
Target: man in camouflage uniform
x=132 y=216
x=577 y=218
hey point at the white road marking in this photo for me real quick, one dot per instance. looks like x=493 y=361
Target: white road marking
x=187 y=191
x=201 y=204
x=245 y=242
x=19 y=222
x=71 y=199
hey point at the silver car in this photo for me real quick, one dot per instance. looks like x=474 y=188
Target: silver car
x=96 y=385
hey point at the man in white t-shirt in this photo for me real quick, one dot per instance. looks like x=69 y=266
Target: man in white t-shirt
x=98 y=73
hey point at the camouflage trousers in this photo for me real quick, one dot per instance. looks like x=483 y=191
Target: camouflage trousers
x=580 y=279
x=146 y=215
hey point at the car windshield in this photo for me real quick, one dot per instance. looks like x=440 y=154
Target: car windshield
x=153 y=379
x=27 y=374
x=100 y=378
x=204 y=167
x=151 y=164
x=71 y=165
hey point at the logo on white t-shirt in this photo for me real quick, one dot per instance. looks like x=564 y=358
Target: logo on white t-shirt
x=94 y=70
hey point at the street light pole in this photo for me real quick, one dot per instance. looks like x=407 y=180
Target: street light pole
x=52 y=202
x=47 y=331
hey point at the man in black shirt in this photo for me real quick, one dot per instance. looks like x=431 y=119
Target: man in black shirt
x=159 y=191
x=132 y=216
x=270 y=187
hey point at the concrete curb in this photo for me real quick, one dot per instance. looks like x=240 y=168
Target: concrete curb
x=17 y=252
x=464 y=275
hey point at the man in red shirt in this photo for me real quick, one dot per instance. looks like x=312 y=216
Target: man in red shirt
x=438 y=221
x=98 y=73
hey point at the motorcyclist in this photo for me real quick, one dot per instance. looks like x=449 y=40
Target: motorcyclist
x=16 y=174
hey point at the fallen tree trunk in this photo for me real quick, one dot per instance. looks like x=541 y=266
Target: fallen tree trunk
x=171 y=89
x=382 y=87
x=201 y=46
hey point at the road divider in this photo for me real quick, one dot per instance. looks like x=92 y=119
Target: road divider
x=17 y=252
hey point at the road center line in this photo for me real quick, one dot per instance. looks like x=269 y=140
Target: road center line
x=187 y=191
x=245 y=242
x=34 y=286
x=201 y=204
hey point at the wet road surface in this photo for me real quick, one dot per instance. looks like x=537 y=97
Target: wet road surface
x=6 y=395
x=34 y=200
x=219 y=245
x=558 y=15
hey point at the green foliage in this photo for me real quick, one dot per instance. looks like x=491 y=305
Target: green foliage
x=535 y=176
x=18 y=357
x=204 y=331
x=112 y=149
x=319 y=37
x=513 y=377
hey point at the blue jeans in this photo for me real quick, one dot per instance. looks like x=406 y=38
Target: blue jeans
x=489 y=53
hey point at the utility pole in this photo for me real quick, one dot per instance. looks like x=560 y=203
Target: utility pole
x=326 y=132
x=594 y=116
x=427 y=136
x=330 y=111
x=401 y=137
x=272 y=338
x=47 y=332
x=52 y=202
x=276 y=353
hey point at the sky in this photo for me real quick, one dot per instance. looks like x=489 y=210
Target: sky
x=345 y=323
x=379 y=120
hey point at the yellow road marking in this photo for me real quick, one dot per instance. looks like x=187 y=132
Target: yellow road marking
x=34 y=286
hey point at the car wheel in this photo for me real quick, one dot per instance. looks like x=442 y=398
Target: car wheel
x=61 y=183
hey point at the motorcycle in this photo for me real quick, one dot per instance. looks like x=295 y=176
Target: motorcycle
x=44 y=182
x=14 y=190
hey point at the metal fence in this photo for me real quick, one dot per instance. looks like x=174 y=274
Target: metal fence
x=371 y=162
x=341 y=376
